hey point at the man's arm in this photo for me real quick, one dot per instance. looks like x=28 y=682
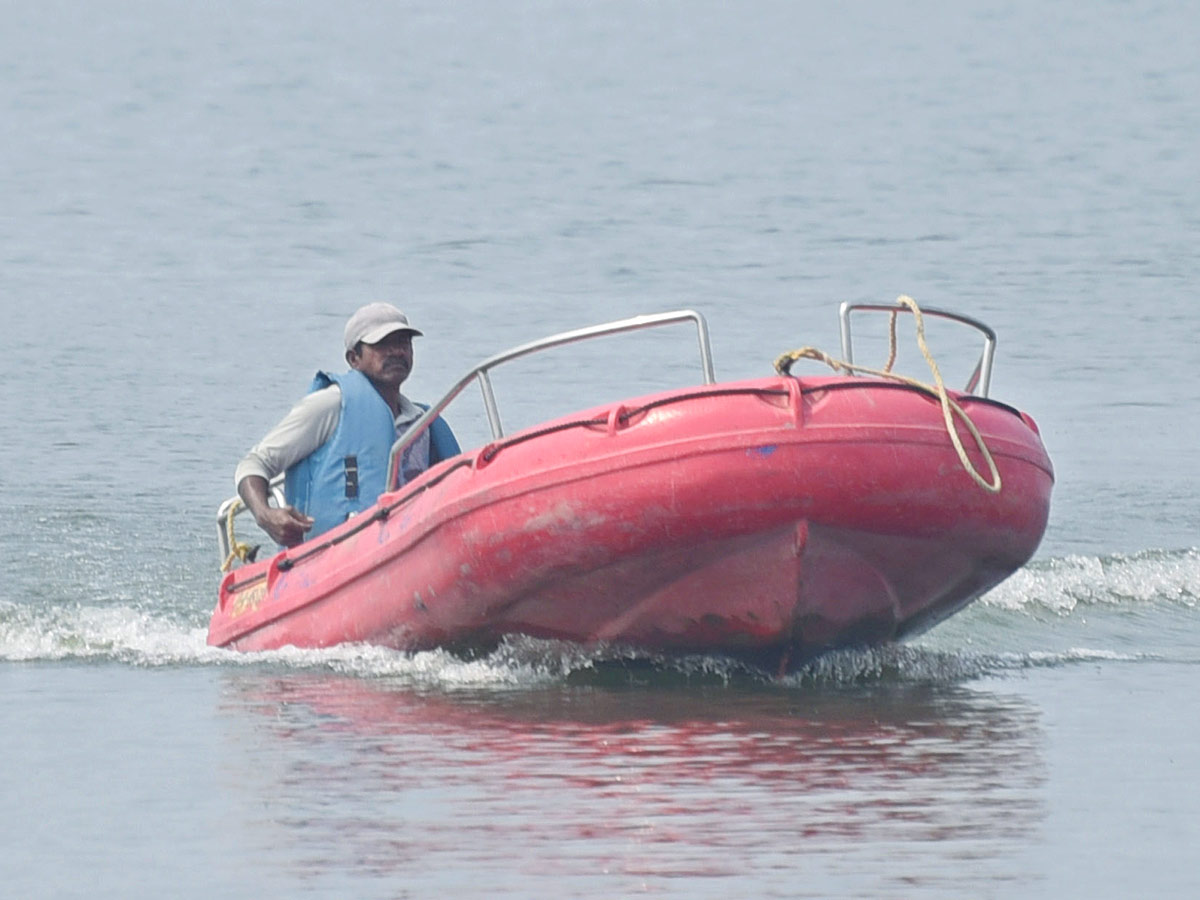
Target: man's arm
x=306 y=427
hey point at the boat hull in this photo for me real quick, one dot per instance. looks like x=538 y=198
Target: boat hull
x=770 y=520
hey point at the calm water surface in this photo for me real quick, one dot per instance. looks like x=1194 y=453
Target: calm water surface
x=191 y=202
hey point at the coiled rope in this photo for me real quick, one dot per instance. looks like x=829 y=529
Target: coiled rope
x=237 y=549
x=950 y=409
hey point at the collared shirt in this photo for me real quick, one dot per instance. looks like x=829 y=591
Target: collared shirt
x=308 y=425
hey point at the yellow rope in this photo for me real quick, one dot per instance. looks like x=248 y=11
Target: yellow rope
x=892 y=345
x=950 y=408
x=238 y=550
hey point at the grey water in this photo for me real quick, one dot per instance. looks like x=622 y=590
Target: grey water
x=193 y=197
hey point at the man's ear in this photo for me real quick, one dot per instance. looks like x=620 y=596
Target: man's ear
x=352 y=357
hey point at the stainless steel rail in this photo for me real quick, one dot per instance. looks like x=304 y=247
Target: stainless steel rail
x=981 y=378
x=481 y=371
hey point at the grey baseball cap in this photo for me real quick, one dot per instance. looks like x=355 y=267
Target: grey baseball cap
x=374 y=322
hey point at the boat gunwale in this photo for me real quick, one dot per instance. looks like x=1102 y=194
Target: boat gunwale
x=488 y=452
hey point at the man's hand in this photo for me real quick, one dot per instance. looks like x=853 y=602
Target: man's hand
x=285 y=525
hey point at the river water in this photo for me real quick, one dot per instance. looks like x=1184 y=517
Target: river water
x=194 y=197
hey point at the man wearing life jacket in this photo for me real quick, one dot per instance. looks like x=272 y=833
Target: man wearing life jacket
x=335 y=443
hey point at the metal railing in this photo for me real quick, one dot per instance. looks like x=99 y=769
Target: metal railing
x=480 y=372
x=981 y=378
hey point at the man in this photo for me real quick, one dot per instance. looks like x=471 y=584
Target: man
x=334 y=444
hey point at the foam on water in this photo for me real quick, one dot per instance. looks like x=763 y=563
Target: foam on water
x=86 y=632
x=1005 y=633
x=135 y=637
x=1065 y=583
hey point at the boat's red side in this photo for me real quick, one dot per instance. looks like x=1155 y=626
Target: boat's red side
x=770 y=519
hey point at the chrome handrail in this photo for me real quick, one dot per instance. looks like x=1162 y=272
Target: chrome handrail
x=981 y=377
x=481 y=372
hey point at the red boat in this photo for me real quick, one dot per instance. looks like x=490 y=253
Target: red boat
x=767 y=520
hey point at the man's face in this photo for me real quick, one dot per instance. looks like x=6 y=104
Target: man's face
x=387 y=362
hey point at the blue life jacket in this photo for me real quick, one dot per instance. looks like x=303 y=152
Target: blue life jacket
x=347 y=473
x=442 y=442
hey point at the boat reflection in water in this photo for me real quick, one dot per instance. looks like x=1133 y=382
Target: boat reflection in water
x=596 y=790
